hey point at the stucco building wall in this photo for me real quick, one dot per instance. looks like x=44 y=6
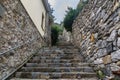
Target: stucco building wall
x=36 y=10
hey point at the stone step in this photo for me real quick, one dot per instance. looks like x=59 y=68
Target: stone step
x=54 y=61
x=47 y=57
x=54 y=75
x=65 y=54
x=71 y=50
x=57 y=53
x=50 y=61
x=70 y=57
x=57 y=64
x=57 y=79
x=56 y=69
x=56 y=57
x=62 y=44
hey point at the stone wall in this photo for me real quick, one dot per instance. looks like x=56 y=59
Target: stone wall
x=96 y=31
x=19 y=38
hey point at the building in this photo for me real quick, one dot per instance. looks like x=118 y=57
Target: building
x=24 y=29
x=40 y=13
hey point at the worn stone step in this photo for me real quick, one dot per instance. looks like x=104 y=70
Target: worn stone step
x=57 y=64
x=47 y=54
x=49 y=61
x=46 y=57
x=54 y=75
x=57 y=79
x=54 y=60
x=71 y=50
x=56 y=69
x=55 y=56
x=68 y=57
x=63 y=46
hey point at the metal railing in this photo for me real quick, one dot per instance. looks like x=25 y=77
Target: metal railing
x=29 y=41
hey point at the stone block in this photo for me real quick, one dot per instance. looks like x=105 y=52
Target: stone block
x=112 y=36
x=115 y=55
x=114 y=67
x=96 y=35
x=98 y=61
x=115 y=48
x=119 y=32
x=101 y=52
x=98 y=67
x=107 y=70
x=101 y=44
x=102 y=13
x=118 y=42
x=107 y=59
x=115 y=43
x=95 y=55
x=118 y=63
x=117 y=4
x=109 y=47
x=105 y=17
x=92 y=38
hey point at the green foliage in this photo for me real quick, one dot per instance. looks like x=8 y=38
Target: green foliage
x=81 y=5
x=69 y=18
x=71 y=15
x=100 y=74
x=55 y=30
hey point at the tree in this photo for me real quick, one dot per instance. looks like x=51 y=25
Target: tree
x=55 y=30
x=69 y=18
x=71 y=15
x=81 y=5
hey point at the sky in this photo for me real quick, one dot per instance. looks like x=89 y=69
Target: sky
x=60 y=6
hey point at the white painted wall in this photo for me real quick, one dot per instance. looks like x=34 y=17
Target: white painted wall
x=35 y=8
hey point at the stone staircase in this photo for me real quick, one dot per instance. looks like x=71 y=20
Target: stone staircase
x=63 y=63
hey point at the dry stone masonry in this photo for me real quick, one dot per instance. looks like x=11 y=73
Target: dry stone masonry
x=19 y=38
x=96 y=31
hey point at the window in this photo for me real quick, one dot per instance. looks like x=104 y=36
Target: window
x=42 y=22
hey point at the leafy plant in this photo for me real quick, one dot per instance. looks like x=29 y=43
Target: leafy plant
x=55 y=31
x=71 y=15
x=100 y=74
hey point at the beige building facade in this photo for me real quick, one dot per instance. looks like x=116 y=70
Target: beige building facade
x=40 y=13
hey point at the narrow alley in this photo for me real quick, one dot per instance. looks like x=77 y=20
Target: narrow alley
x=59 y=39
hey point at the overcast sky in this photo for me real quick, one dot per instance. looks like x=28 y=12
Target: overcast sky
x=60 y=6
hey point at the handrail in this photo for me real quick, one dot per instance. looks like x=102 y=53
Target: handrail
x=19 y=46
x=8 y=75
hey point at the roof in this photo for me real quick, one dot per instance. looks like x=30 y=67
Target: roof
x=47 y=6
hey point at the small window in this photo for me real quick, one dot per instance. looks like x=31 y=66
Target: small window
x=42 y=22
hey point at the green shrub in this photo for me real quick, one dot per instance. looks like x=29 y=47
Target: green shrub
x=55 y=31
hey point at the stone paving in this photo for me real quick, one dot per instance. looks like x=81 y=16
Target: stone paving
x=56 y=64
